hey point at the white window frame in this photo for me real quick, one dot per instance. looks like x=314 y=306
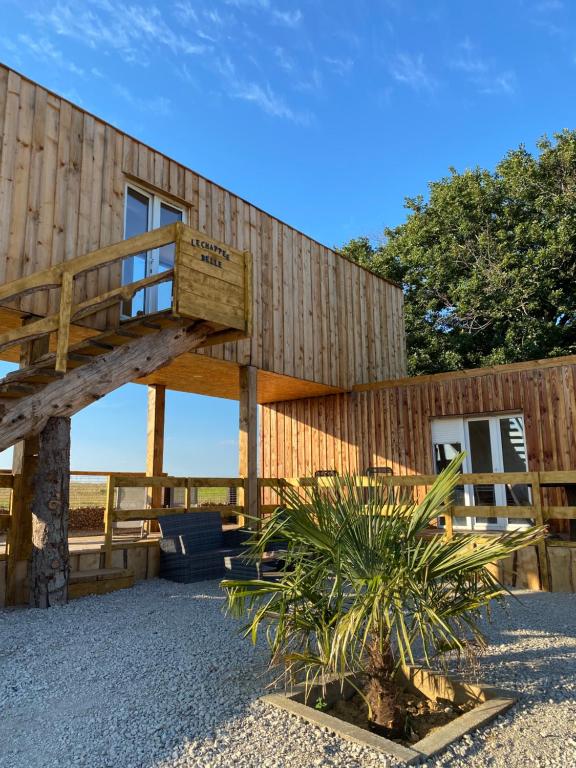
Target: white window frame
x=152 y=256
x=493 y=419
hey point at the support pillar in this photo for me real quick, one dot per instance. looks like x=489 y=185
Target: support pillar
x=50 y=565
x=155 y=443
x=248 y=441
x=24 y=463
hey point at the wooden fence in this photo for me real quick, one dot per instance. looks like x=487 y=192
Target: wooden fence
x=114 y=515
x=7 y=481
x=538 y=510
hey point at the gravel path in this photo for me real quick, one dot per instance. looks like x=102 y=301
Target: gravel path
x=157 y=677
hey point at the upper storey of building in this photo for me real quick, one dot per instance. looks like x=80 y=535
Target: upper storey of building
x=71 y=184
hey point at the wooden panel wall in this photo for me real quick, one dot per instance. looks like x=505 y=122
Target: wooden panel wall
x=62 y=179
x=390 y=425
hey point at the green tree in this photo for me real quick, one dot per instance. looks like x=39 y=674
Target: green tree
x=487 y=262
x=365 y=587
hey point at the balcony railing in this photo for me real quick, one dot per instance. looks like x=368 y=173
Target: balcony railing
x=211 y=282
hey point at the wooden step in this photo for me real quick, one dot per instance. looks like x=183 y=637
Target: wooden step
x=99 y=581
x=27 y=381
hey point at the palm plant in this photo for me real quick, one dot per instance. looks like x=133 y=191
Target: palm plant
x=363 y=590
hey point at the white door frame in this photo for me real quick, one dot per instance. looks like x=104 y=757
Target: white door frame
x=497 y=466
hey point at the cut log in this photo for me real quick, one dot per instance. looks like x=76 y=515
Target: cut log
x=82 y=386
x=50 y=566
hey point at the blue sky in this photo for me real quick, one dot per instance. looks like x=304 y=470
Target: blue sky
x=325 y=113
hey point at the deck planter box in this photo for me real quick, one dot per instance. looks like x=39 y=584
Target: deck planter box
x=489 y=702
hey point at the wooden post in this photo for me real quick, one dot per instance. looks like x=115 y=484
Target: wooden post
x=248 y=441
x=155 y=444
x=66 y=296
x=539 y=520
x=50 y=566
x=24 y=462
x=109 y=521
x=449 y=521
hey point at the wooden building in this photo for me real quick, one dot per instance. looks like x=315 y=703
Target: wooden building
x=120 y=264
x=92 y=222
x=71 y=184
x=510 y=419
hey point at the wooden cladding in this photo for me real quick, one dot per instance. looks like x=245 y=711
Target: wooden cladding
x=390 y=426
x=212 y=282
x=63 y=174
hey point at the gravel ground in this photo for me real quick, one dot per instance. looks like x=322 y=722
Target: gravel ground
x=158 y=677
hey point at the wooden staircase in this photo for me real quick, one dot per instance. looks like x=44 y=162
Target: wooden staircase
x=32 y=379
x=211 y=304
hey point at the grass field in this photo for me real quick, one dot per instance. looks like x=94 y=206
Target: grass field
x=84 y=493
x=93 y=494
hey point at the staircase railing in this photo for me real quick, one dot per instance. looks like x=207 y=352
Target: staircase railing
x=62 y=276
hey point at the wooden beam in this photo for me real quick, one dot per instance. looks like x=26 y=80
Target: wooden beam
x=66 y=297
x=24 y=465
x=467 y=373
x=248 y=440
x=84 y=385
x=51 y=278
x=50 y=567
x=29 y=331
x=155 y=439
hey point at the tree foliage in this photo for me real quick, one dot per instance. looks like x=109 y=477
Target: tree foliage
x=487 y=262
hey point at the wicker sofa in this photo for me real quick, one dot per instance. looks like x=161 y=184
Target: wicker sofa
x=194 y=547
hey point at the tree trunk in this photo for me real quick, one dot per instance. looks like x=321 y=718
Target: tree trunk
x=382 y=693
x=50 y=557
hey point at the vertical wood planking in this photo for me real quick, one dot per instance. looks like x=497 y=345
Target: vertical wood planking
x=391 y=426
x=62 y=178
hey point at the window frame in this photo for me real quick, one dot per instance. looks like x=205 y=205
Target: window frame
x=152 y=258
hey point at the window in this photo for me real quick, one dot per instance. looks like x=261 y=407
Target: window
x=144 y=212
x=492 y=444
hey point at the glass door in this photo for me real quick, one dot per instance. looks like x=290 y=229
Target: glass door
x=145 y=212
x=492 y=444
x=162 y=259
x=138 y=219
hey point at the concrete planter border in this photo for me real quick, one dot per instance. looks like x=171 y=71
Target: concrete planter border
x=490 y=703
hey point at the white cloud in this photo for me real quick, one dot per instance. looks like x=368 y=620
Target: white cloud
x=481 y=72
x=411 y=71
x=287 y=18
x=545 y=6
x=248 y=3
x=140 y=33
x=312 y=83
x=467 y=58
x=44 y=50
x=131 y=30
x=260 y=94
x=501 y=83
x=265 y=98
x=340 y=66
x=213 y=16
x=185 y=11
x=285 y=61
x=158 y=105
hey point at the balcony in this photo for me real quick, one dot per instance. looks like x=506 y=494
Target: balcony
x=209 y=281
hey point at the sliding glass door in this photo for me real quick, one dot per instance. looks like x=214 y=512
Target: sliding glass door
x=492 y=444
